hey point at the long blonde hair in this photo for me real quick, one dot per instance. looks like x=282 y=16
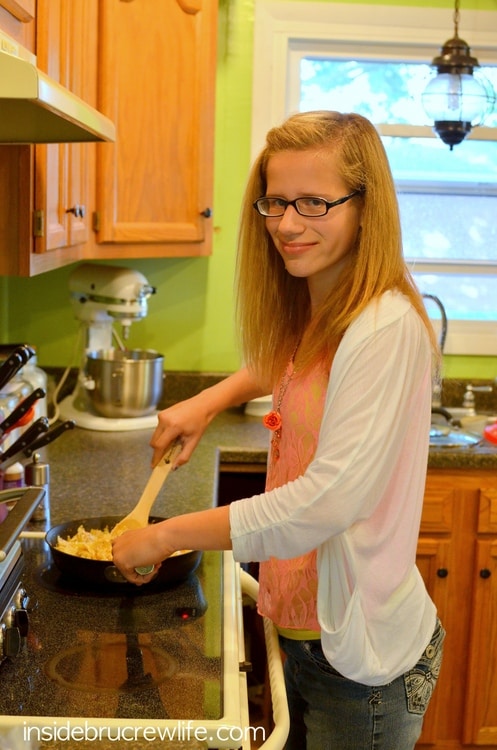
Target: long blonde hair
x=273 y=307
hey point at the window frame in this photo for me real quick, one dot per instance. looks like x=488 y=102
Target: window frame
x=284 y=29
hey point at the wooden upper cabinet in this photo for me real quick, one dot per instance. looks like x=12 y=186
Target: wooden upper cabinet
x=150 y=67
x=156 y=83
x=49 y=189
x=67 y=51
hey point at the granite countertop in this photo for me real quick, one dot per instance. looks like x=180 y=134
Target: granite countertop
x=96 y=473
x=482 y=456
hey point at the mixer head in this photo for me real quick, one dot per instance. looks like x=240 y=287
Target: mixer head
x=103 y=294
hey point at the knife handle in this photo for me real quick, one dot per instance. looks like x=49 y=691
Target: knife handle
x=49 y=437
x=21 y=409
x=28 y=436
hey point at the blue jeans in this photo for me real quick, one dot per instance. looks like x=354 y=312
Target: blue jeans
x=330 y=712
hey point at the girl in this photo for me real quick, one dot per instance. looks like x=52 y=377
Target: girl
x=333 y=325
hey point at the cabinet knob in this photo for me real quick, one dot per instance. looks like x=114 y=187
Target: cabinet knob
x=77 y=210
x=207 y=212
x=485 y=573
x=442 y=572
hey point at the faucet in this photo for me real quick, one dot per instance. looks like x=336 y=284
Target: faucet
x=437 y=388
x=443 y=315
x=469 y=396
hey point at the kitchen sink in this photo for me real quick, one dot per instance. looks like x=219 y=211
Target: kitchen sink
x=448 y=436
x=457 y=427
x=470 y=432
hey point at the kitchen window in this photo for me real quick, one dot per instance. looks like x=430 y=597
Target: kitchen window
x=370 y=59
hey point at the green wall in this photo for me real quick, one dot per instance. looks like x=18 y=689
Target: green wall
x=190 y=318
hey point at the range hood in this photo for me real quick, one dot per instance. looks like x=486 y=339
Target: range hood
x=34 y=108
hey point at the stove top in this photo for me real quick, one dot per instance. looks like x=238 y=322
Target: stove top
x=155 y=658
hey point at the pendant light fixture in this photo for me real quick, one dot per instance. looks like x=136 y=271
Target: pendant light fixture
x=455 y=99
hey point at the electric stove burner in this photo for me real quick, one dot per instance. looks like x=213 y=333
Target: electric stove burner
x=53 y=579
x=131 y=609
x=111 y=663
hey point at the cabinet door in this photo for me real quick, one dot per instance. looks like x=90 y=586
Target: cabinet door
x=433 y=562
x=67 y=40
x=81 y=55
x=16 y=208
x=50 y=161
x=156 y=82
x=480 y=725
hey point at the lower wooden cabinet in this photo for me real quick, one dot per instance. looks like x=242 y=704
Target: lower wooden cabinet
x=457 y=556
x=481 y=696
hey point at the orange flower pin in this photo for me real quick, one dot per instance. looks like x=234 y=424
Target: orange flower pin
x=272 y=421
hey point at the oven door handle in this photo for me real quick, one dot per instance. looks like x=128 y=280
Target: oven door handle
x=27 y=499
x=281 y=717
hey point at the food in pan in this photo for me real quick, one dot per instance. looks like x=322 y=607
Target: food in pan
x=95 y=544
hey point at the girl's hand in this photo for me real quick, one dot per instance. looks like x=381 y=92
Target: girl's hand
x=186 y=421
x=202 y=530
x=137 y=549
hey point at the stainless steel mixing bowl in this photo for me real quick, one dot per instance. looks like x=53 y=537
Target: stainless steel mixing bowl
x=125 y=383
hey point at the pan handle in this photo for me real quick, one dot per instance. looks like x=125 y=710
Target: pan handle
x=28 y=498
x=112 y=574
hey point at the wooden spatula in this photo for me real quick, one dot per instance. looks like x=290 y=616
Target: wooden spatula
x=138 y=518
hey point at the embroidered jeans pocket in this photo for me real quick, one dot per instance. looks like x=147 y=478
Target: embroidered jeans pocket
x=420 y=681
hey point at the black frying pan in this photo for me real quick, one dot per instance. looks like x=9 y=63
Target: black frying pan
x=104 y=575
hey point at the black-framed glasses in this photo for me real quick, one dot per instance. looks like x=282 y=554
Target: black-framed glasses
x=307 y=206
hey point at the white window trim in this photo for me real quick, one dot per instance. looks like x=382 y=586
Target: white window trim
x=282 y=27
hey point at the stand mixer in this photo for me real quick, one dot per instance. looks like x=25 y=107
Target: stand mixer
x=102 y=296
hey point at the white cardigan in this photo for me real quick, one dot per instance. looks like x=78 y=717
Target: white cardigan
x=360 y=500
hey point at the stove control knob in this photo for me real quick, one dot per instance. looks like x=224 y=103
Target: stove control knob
x=17 y=617
x=21 y=599
x=10 y=640
x=21 y=621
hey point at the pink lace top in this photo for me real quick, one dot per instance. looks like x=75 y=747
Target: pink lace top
x=288 y=588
